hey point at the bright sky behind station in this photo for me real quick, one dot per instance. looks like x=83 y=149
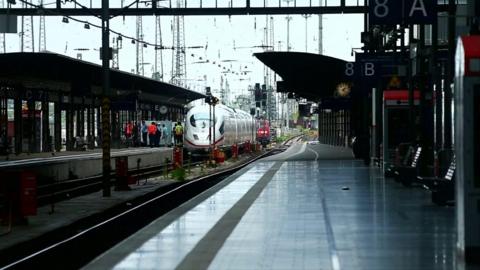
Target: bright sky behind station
x=218 y=35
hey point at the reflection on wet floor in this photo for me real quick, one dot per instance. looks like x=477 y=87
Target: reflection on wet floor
x=302 y=217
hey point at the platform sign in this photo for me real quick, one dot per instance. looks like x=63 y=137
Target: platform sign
x=360 y=70
x=368 y=68
x=420 y=11
x=392 y=12
x=382 y=64
x=385 y=12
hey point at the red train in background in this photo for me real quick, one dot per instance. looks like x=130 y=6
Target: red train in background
x=263 y=132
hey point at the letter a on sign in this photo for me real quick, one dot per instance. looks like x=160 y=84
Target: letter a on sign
x=420 y=11
x=391 y=12
x=418 y=5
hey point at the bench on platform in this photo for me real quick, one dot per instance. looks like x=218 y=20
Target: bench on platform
x=80 y=144
x=403 y=154
x=443 y=189
x=407 y=174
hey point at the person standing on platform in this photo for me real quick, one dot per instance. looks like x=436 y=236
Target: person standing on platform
x=144 y=131
x=158 y=135
x=152 y=131
x=135 y=134
x=178 y=134
x=174 y=135
x=128 y=133
x=165 y=135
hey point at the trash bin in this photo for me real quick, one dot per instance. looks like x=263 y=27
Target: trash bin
x=18 y=197
x=28 y=194
x=121 y=169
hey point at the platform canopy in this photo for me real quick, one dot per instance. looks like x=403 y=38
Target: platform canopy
x=308 y=75
x=54 y=72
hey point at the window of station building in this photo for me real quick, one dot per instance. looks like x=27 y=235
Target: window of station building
x=10 y=109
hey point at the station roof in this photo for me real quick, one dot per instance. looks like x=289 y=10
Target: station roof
x=308 y=75
x=57 y=72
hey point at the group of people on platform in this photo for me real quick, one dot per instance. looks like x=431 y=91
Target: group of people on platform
x=152 y=134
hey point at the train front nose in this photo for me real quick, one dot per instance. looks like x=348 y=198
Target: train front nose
x=199 y=138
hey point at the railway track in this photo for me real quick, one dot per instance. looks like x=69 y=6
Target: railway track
x=59 y=191
x=55 y=248
x=56 y=192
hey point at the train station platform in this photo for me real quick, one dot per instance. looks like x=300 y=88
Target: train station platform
x=313 y=207
x=57 y=220
x=68 y=165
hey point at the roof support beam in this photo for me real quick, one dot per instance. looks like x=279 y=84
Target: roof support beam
x=190 y=11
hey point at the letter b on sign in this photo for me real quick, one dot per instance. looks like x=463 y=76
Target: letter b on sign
x=368 y=69
x=362 y=69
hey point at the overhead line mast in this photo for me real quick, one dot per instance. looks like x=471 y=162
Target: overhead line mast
x=27 y=34
x=42 y=34
x=158 y=68
x=179 y=72
x=139 y=47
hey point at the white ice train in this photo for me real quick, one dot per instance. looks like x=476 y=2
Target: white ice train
x=231 y=126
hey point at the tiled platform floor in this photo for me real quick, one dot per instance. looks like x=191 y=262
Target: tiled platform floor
x=309 y=214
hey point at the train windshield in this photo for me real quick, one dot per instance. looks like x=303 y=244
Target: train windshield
x=199 y=118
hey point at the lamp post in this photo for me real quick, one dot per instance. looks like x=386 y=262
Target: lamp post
x=208 y=100
x=211 y=101
x=306 y=16
x=213 y=122
x=214 y=102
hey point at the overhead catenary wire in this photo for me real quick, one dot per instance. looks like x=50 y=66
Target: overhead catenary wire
x=119 y=34
x=157 y=46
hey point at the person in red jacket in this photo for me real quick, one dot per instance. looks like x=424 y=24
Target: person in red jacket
x=128 y=133
x=152 y=130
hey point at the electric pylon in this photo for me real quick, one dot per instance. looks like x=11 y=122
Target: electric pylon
x=179 y=72
x=306 y=16
x=268 y=43
x=42 y=34
x=26 y=35
x=158 y=68
x=320 y=34
x=139 y=46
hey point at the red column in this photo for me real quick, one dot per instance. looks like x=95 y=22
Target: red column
x=177 y=157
